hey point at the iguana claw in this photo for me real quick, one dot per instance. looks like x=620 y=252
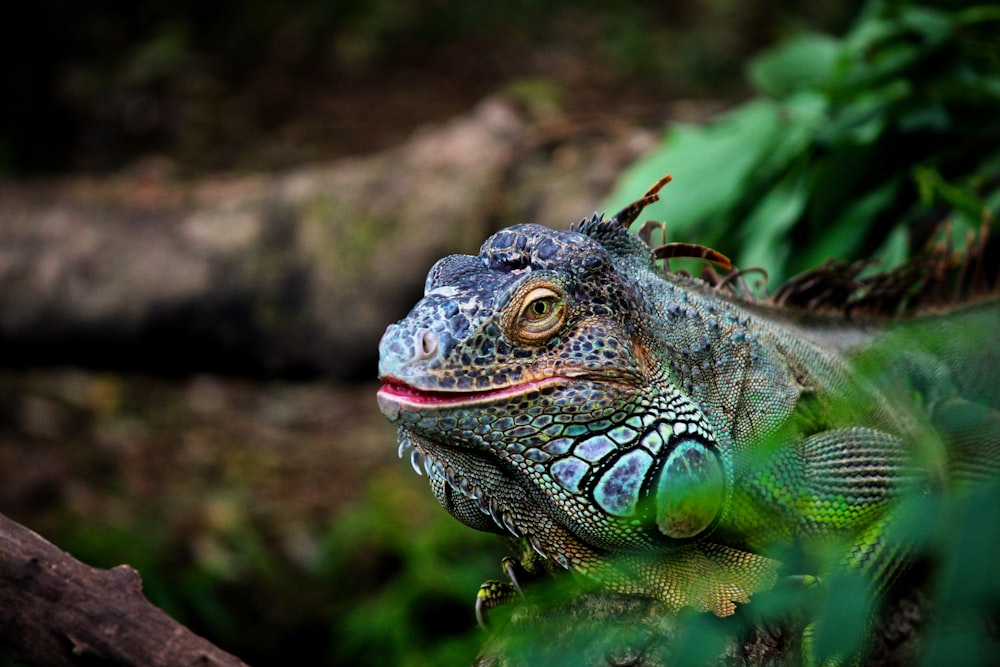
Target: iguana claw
x=493 y=593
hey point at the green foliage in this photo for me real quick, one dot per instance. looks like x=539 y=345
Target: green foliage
x=400 y=577
x=969 y=589
x=853 y=146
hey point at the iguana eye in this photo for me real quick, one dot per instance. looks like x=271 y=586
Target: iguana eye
x=541 y=314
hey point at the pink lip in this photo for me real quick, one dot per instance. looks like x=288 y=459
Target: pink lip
x=398 y=395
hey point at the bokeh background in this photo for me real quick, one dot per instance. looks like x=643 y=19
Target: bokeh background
x=209 y=213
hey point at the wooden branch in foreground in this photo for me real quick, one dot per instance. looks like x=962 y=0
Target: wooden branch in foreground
x=55 y=611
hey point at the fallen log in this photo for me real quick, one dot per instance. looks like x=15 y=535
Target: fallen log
x=56 y=611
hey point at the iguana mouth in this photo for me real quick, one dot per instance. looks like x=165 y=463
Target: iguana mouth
x=398 y=395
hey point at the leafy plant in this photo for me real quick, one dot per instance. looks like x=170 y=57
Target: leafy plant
x=857 y=146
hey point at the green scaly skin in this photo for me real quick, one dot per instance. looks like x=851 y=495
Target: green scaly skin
x=665 y=437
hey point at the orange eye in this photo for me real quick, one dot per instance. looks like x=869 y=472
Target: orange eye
x=541 y=315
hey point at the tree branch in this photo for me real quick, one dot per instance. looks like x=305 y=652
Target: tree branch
x=56 y=611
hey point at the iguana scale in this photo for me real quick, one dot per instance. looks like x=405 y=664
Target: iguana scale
x=665 y=436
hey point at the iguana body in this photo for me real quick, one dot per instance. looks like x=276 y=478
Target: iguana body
x=664 y=436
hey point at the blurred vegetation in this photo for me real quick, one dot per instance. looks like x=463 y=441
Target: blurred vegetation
x=851 y=143
x=855 y=147
x=261 y=84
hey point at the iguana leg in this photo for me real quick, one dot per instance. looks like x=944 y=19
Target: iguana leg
x=876 y=470
x=851 y=477
x=852 y=585
x=850 y=485
x=495 y=592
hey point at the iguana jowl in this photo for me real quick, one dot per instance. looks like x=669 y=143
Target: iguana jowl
x=661 y=435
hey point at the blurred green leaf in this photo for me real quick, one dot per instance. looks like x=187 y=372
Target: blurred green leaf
x=765 y=229
x=846 y=234
x=803 y=117
x=738 y=141
x=712 y=166
x=932 y=26
x=865 y=118
x=401 y=576
x=802 y=63
x=894 y=124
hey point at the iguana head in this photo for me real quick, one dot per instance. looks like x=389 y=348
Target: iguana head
x=525 y=383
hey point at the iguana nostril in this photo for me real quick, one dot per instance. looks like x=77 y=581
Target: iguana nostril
x=425 y=345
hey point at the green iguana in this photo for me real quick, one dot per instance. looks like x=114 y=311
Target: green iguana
x=666 y=436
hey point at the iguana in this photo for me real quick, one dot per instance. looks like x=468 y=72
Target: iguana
x=667 y=436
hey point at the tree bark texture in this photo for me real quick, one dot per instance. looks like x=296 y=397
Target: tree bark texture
x=58 y=612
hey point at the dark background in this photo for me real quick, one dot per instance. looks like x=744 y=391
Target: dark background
x=251 y=85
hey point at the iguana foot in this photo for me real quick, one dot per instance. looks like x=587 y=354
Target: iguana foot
x=494 y=592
